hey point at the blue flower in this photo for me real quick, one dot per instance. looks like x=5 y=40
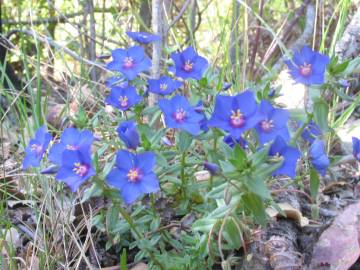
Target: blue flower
x=123 y=98
x=143 y=37
x=163 y=86
x=133 y=175
x=71 y=139
x=189 y=64
x=180 y=114
x=129 y=62
x=116 y=81
x=76 y=168
x=211 y=167
x=289 y=155
x=230 y=141
x=308 y=67
x=236 y=114
x=226 y=86
x=356 y=148
x=344 y=83
x=36 y=148
x=318 y=156
x=128 y=134
x=274 y=124
x=199 y=108
x=311 y=132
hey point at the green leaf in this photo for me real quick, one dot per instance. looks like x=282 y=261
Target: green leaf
x=184 y=141
x=265 y=170
x=254 y=204
x=256 y=185
x=321 y=111
x=314 y=183
x=112 y=218
x=232 y=234
x=352 y=66
x=123 y=264
x=94 y=191
x=346 y=114
x=338 y=68
x=259 y=156
x=239 y=159
x=204 y=224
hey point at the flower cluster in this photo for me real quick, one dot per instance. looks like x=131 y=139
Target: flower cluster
x=243 y=119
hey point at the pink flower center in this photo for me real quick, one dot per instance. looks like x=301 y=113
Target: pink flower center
x=134 y=175
x=128 y=62
x=237 y=119
x=179 y=115
x=72 y=147
x=80 y=169
x=124 y=101
x=37 y=148
x=305 y=70
x=188 y=66
x=267 y=125
x=163 y=86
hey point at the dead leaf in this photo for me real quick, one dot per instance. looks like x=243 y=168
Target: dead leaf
x=338 y=247
x=290 y=212
x=201 y=176
x=140 y=266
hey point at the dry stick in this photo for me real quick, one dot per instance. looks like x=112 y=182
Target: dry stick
x=157 y=45
x=304 y=37
x=349 y=46
x=178 y=17
x=92 y=48
x=284 y=36
x=59 y=19
x=255 y=48
x=52 y=43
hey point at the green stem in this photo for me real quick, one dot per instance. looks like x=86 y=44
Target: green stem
x=300 y=130
x=182 y=174
x=132 y=224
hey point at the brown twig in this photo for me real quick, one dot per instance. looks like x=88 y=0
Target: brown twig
x=52 y=43
x=180 y=14
x=59 y=19
x=257 y=37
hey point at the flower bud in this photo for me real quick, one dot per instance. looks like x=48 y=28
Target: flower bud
x=128 y=134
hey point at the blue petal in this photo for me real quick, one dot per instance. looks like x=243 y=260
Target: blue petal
x=165 y=106
x=145 y=162
x=317 y=149
x=245 y=102
x=69 y=158
x=115 y=66
x=193 y=129
x=70 y=136
x=308 y=55
x=130 y=192
x=188 y=54
x=321 y=163
x=223 y=108
x=266 y=107
x=315 y=79
x=117 y=178
x=280 y=118
x=124 y=160
x=55 y=154
x=30 y=160
x=149 y=183
x=278 y=146
x=137 y=53
x=118 y=54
